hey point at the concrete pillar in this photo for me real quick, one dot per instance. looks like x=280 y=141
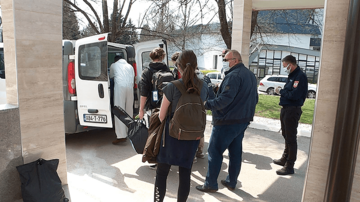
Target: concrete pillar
x=33 y=62
x=242 y=28
x=332 y=51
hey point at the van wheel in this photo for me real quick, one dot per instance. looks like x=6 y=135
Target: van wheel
x=311 y=94
x=270 y=91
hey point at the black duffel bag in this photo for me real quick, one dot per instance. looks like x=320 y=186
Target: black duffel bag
x=137 y=130
x=40 y=181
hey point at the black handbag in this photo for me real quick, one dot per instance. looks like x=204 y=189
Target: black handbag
x=40 y=181
x=138 y=134
x=137 y=130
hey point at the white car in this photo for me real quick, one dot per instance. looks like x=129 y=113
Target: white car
x=215 y=77
x=270 y=82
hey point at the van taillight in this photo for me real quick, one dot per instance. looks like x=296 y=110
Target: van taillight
x=135 y=70
x=71 y=78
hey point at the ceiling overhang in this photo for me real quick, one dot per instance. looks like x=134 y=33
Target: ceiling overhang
x=287 y=4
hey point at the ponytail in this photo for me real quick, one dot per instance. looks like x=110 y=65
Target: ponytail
x=188 y=62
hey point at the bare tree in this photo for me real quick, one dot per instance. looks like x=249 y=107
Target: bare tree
x=70 y=23
x=118 y=21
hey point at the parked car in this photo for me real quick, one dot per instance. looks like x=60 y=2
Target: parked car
x=270 y=82
x=215 y=77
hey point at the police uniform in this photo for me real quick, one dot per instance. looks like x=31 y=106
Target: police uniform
x=293 y=96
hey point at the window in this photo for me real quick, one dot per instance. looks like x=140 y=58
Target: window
x=212 y=76
x=145 y=58
x=93 y=61
x=272 y=79
x=219 y=76
x=283 y=79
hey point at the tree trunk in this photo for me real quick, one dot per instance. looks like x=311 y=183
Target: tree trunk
x=224 y=28
x=105 y=16
x=254 y=15
x=114 y=21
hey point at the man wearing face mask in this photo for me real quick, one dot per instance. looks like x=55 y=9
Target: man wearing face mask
x=233 y=108
x=292 y=98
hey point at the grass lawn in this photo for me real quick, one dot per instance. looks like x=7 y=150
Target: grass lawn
x=268 y=107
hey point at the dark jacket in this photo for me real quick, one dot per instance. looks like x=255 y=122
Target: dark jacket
x=295 y=89
x=145 y=85
x=236 y=98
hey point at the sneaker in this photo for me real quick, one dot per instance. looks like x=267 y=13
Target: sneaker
x=195 y=160
x=119 y=140
x=153 y=167
x=200 y=155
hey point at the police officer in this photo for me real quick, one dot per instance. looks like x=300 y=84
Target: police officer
x=292 y=98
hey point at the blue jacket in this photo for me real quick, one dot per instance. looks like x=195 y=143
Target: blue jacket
x=295 y=89
x=236 y=99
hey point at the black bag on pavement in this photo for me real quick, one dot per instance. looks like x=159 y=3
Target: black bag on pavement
x=40 y=181
x=137 y=130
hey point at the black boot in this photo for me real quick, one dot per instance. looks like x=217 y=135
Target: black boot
x=280 y=161
x=288 y=169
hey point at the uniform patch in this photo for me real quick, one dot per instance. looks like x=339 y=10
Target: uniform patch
x=296 y=83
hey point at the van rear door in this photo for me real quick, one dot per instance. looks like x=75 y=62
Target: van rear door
x=92 y=81
x=143 y=50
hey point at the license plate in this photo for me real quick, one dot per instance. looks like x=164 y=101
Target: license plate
x=95 y=118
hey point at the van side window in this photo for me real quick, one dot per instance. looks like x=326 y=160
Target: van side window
x=92 y=62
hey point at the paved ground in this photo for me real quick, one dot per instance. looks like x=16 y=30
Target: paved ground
x=101 y=172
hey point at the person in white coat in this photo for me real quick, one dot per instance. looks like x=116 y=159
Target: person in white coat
x=123 y=74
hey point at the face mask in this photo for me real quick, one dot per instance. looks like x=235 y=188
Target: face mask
x=224 y=69
x=287 y=70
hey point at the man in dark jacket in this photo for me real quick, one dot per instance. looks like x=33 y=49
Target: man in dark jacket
x=292 y=98
x=233 y=108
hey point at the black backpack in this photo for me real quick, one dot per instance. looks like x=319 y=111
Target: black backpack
x=159 y=80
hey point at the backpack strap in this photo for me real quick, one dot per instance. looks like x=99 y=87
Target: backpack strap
x=180 y=86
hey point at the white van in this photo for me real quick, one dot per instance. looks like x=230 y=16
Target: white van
x=86 y=83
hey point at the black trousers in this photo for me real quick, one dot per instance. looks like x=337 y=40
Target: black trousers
x=162 y=172
x=289 y=118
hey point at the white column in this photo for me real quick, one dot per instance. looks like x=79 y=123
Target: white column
x=332 y=50
x=242 y=28
x=33 y=62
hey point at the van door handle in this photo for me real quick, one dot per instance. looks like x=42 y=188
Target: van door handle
x=93 y=110
x=101 y=90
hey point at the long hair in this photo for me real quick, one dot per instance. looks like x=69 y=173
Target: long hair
x=187 y=61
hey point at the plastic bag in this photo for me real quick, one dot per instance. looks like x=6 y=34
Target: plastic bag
x=40 y=181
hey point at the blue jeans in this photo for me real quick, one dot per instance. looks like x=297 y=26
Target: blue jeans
x=225 y=137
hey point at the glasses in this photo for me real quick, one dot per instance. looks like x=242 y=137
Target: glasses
x=225 y=60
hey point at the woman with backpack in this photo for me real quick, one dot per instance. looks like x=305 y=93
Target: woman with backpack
x=172 y=150
x=145 y=85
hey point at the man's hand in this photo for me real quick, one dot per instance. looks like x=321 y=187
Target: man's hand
x=277 y=90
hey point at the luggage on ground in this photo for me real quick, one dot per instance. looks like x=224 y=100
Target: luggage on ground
x=40 y=181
